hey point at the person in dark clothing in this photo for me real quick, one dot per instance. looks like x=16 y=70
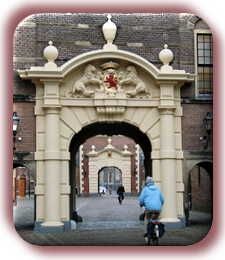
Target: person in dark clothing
x=120 y=192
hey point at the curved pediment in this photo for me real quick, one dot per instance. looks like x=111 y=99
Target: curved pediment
x=109 y=55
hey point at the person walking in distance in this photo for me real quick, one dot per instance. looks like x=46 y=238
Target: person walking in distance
x=120 y=192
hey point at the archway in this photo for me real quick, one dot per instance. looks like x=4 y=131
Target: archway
x=106 y=91
x=200 y=187
x=109 y=179
x=107 y=128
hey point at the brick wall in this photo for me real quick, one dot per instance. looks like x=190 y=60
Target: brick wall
x=192 y=125
x=73 y=34
x=26 y=129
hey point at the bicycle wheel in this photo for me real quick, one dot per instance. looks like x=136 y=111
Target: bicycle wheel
x=155 y=241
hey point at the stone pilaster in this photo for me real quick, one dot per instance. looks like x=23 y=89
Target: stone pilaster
x=168 y=165
x=52 y=169
x=168 y=152
x=52 y=156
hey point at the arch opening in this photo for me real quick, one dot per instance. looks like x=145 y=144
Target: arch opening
x=200 y=191
x=109 y=179
x=109 y=129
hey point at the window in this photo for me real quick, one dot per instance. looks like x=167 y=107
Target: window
x=204 y=64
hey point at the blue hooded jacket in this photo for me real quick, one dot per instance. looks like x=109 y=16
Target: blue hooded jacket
x=151 y=197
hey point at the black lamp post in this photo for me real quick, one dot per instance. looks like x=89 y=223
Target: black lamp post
x=16 y=120
x=207 y=123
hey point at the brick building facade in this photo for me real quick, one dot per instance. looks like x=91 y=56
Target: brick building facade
x=142 y=34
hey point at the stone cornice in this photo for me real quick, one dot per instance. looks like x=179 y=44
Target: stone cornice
x=60 y=72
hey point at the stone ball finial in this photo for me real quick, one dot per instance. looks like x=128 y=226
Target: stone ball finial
x=109 y=141
x=109 y=30
x=166 y=55
x=93 y=148
x=50 y=52
x=125 y=147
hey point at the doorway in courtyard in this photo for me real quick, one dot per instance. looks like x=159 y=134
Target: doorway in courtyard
x=200 y=188
x=23 y=183
x=104 y=155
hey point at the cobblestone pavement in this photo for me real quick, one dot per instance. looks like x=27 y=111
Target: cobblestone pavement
x=105 y=222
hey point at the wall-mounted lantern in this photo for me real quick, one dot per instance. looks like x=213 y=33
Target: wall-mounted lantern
x=208 y=126
x=16 y=120
x=207 y=122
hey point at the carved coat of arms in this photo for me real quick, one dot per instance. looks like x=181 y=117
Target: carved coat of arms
x=110 y=80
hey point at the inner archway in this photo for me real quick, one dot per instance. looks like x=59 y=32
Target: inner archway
x=109 y=179
x=106 y=128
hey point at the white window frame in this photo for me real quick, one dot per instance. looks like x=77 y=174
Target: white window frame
x=196 y=32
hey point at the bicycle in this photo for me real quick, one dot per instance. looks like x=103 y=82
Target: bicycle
x=155 y=229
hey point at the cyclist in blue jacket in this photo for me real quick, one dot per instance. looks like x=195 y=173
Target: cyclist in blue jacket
x=151 y=197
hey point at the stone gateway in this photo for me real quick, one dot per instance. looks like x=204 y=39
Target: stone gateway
x=105 y=86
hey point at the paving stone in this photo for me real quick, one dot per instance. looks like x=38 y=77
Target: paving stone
x=119 y=225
